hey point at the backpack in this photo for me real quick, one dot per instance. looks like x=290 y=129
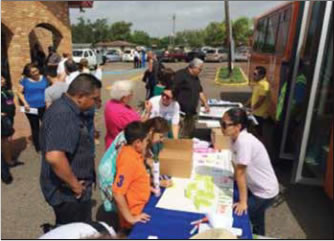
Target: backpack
x=107 y=171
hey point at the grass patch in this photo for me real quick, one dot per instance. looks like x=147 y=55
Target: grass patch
x=235 y=78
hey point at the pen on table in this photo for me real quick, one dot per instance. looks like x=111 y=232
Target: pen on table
x=202 y=220
x=194 y=229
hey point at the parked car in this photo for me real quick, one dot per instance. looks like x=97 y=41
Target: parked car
x=78 y=54
x=113 y=56
x=160 y=53
x=242 y=54
x=196 y=53
x=206 y=48
x=216 y=55
x=128 y=55
x=175 y=56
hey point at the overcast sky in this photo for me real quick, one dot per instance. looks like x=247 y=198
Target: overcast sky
x=155 y=17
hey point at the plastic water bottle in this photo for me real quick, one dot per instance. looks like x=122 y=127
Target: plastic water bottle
x=156 y=177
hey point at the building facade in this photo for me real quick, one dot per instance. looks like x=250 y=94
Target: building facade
x=26 y=24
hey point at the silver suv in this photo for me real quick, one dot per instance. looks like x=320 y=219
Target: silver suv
x=216 y=55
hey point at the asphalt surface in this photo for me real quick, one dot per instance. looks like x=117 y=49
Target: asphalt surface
x=301 y=212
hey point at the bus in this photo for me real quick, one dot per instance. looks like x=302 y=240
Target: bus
x=294 y=42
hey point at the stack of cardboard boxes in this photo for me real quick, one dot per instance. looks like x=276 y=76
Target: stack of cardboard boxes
x=176 y=156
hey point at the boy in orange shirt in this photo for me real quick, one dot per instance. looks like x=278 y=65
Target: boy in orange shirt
x=131 y=188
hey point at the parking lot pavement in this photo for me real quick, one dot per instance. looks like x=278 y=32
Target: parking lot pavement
x=303 y=212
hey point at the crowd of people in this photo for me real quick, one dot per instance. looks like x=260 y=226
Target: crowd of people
x=65 y=100
x=139 y=59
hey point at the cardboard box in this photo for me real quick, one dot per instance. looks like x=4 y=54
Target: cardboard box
x=219 y=140
x=176 y=158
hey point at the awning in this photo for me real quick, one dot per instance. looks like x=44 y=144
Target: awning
x=80 y=4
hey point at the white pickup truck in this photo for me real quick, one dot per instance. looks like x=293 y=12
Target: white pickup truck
x=78 y=54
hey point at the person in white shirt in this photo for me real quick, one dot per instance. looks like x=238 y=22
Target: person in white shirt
x=71 y=71
x=167 y=107
x=56 y=90
x=61 y=65
x=255 y=176
x=136 y=59
x=92 y=230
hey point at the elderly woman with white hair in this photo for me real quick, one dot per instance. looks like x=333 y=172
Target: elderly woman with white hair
x=117 y=113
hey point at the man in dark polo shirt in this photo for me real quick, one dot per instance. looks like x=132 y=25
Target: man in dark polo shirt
x=188 y=92
x=67 y=172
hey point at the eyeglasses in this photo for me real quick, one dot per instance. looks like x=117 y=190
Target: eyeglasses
x=96 y=98
x=224 y=125
x=166 y=96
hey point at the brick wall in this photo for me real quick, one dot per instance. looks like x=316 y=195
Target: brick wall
x=41 y=19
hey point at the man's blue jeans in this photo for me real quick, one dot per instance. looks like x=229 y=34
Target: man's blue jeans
x=256 y=209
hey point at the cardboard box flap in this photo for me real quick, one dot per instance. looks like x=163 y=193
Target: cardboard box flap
x=176 y=154
x=176 y=158
x=219 y=140
x=182 y=144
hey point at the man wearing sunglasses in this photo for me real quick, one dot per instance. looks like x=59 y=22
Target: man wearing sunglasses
x=188 y=91
x=260 y=99
x=166 y=107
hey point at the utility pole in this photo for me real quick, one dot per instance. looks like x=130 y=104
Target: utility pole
x=229 y=36
x=174 y=18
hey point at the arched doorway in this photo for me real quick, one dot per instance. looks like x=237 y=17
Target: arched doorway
x=6 y=37
x=40 y=38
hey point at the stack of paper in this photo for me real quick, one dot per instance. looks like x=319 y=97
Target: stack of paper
x=210 y=189
x=215 y=102
x=215 y=112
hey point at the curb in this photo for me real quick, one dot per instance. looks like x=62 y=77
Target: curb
x=236 y=85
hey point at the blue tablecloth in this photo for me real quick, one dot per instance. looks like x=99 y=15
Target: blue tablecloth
x=168 y=224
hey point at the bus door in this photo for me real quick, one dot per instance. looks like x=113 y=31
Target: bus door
x=309 y=118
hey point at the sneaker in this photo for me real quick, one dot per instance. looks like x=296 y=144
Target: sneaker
x=7 y=179
x=47 y=227
x=15 y=163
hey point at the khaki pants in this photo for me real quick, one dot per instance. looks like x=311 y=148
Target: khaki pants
x=188 y=126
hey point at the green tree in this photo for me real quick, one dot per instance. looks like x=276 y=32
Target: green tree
x=163 y=43
x=191 y=38
x=101 y=30
x=215 y=34
x=141 y=38
x=82 y=32
x=87 y=32
x=195 y=38
x=155 y=42
x=242 y=30
x=121 y=31
x=180 y=38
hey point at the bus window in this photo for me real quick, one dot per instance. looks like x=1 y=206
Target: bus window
x=260 y=35
x=283 y=30
x=271 y=33
x=313 y=35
